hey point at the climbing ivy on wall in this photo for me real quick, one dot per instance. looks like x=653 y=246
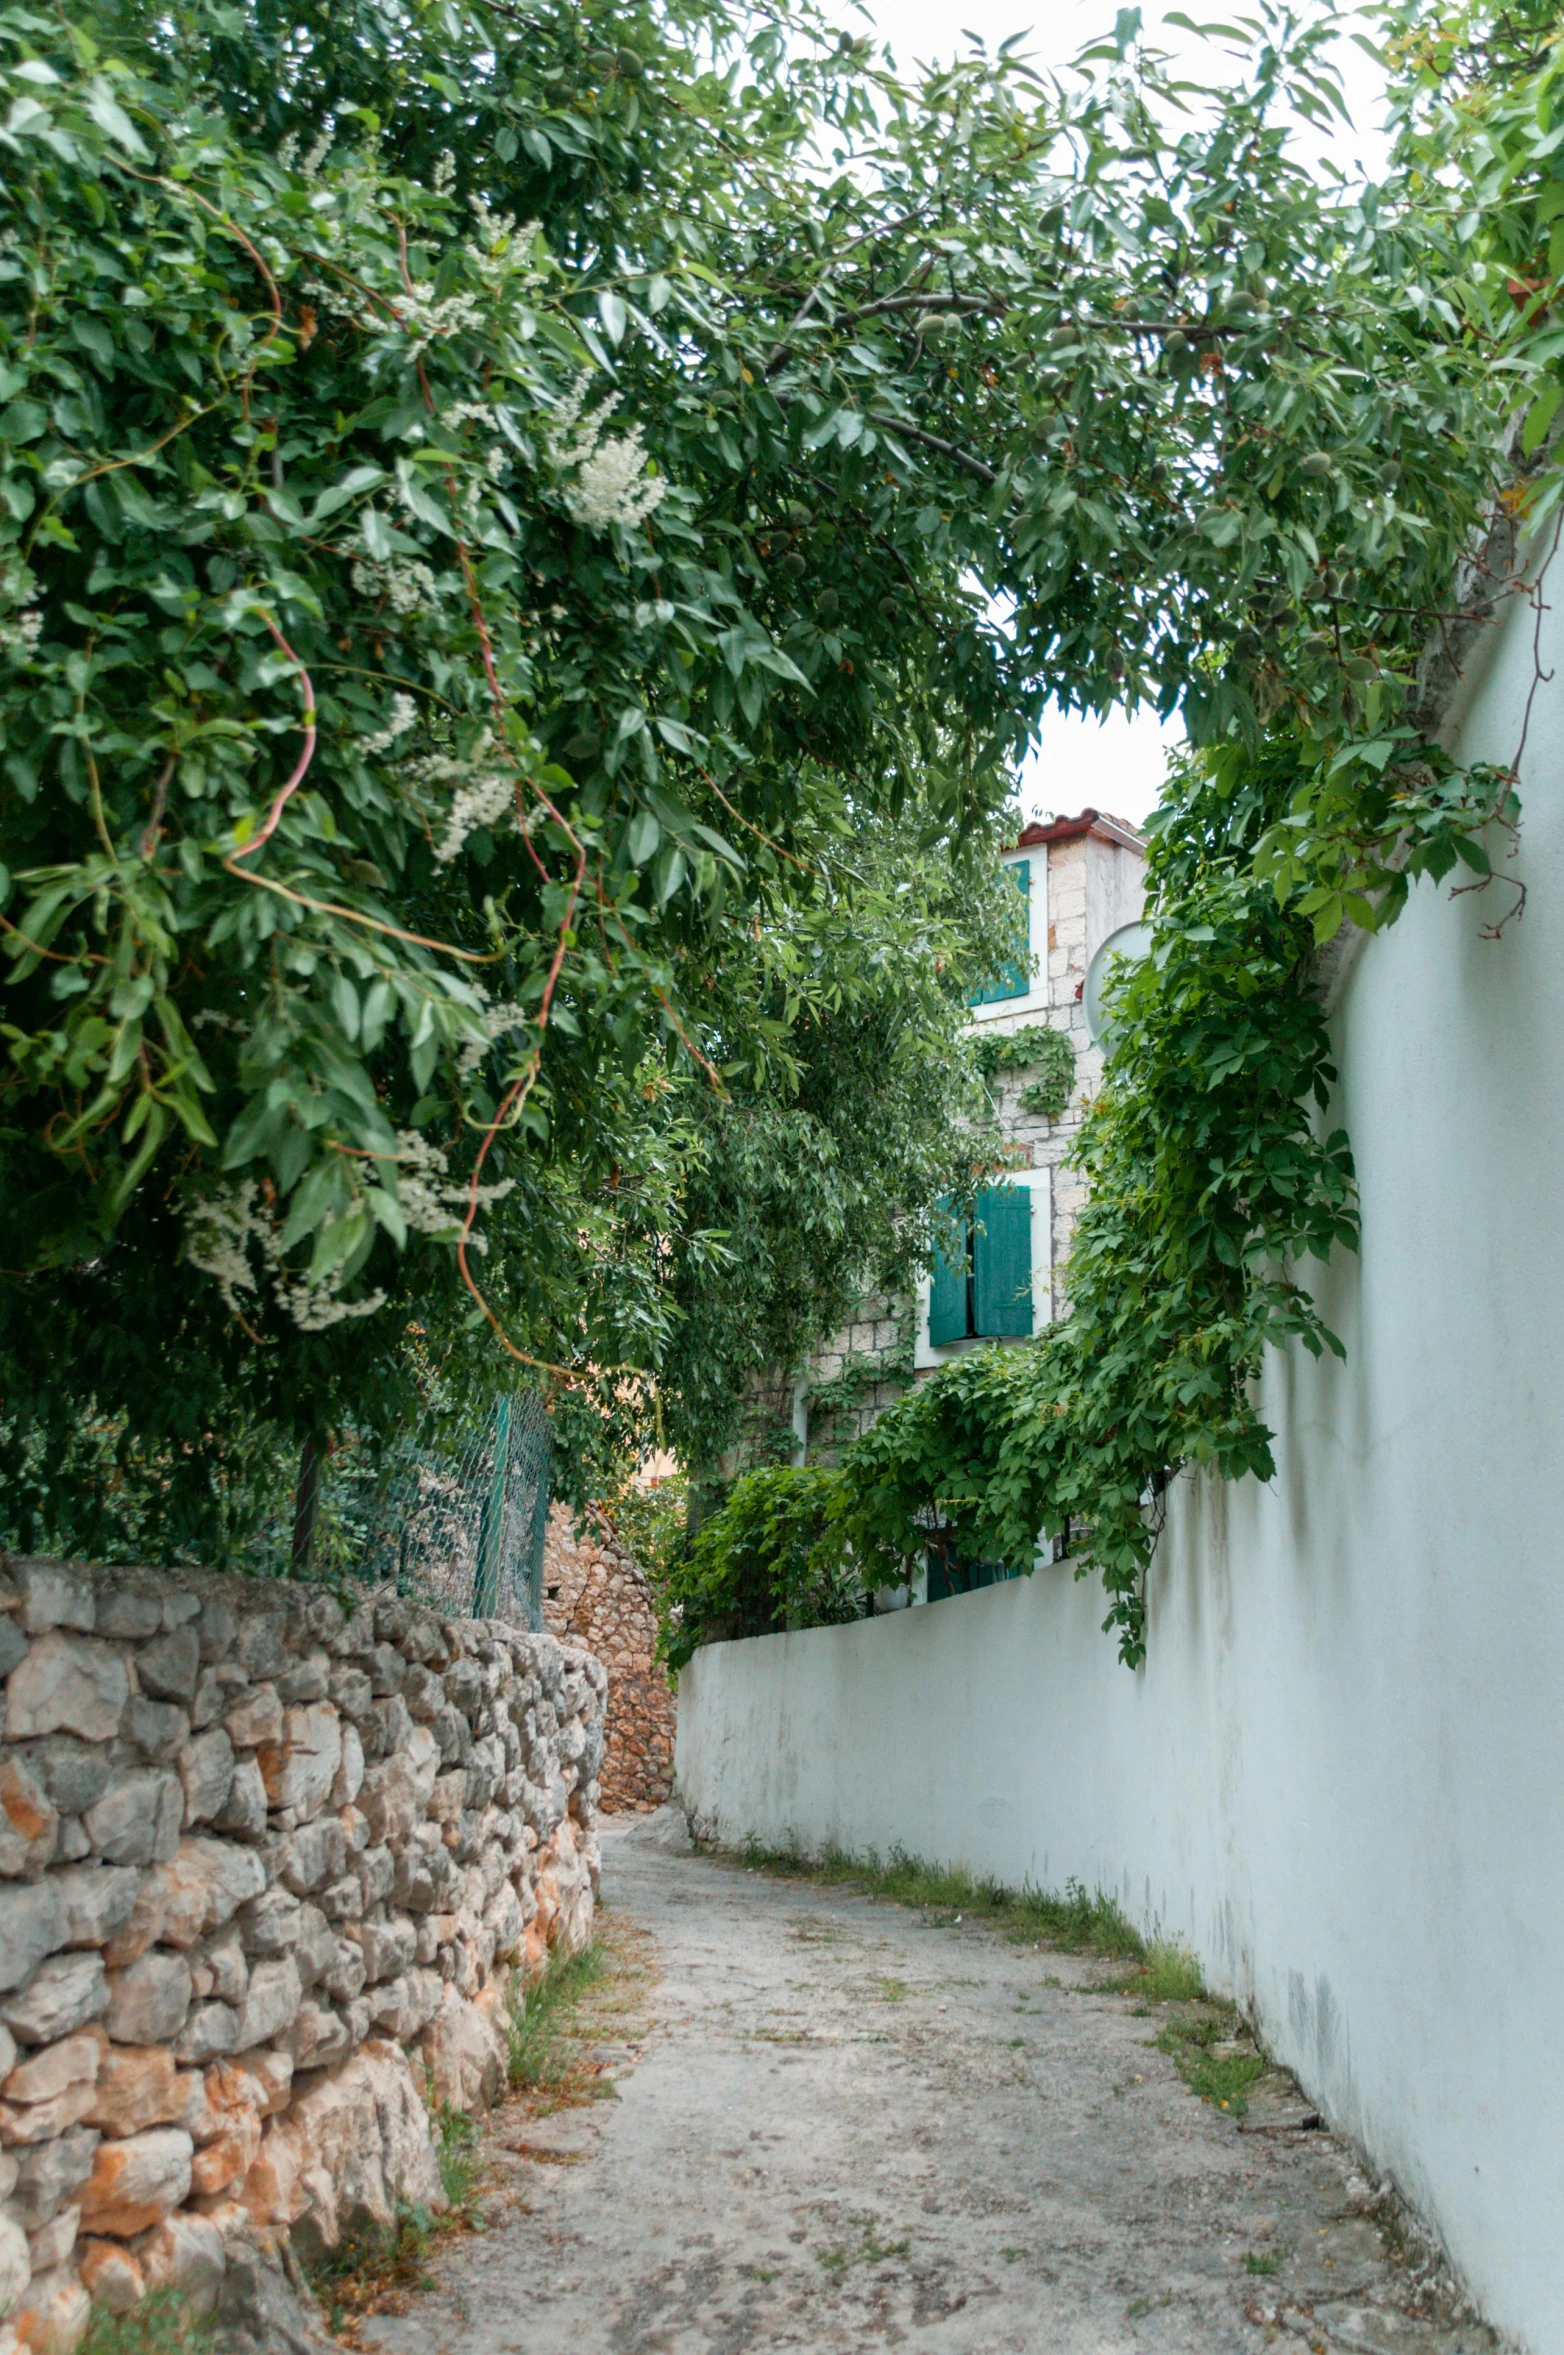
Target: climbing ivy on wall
x=1038 y=1048
x=1215 y=1175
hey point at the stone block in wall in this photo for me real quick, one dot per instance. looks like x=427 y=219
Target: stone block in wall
x=66 y=1683
x=63 y=1994
x=136 y=2181
x=138 y=2086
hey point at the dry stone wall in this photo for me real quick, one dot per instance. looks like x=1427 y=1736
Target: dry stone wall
x=595 y=1591
x=267 y=1871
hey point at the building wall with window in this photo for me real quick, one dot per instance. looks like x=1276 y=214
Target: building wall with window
x=1079 y=880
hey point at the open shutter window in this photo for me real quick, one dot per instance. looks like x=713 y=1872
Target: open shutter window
x=1015 y=978
x=1002 y=1263
x=948 y=1299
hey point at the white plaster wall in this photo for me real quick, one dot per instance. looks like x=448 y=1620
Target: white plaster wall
x=1340 y=1775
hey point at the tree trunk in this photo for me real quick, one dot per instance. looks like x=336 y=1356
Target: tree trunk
x=306 y=1504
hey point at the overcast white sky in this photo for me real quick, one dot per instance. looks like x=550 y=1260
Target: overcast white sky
x=1114 y=765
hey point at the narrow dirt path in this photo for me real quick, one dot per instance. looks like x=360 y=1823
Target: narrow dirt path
x=846 y=2126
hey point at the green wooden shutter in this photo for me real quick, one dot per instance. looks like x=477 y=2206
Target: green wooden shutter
x=1002 y=1262
x=1015 y=979
x=948 y=1298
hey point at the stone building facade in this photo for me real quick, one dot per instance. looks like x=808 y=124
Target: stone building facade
x=1081 y=878
x=595 y=1593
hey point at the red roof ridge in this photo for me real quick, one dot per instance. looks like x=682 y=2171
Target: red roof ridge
x=1087 y=821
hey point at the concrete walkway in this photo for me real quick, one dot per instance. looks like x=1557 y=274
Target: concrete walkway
x=843 y=2126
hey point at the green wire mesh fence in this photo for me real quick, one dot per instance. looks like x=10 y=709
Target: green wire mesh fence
x=453 y=1514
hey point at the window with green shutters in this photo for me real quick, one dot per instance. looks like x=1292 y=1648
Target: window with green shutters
x=1015 y=979
x=950 y=1294
x=1002 y=1263
x=987 y=1294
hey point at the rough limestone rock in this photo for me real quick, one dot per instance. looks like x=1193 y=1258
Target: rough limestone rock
x=257 y=2312
x=95 y=1902
x=50 y=2175
x=137 y=1820
x=206 y=1768
x=135 y=2181
x=69 y=1682
x=74 y=1773
x=69 y=1990
x=203 y=1886
x=272 y=2003
x=169 y=1667
x=243 y=1812
x=138 y=2086
x=52 y=2313
x=299 y=1770
x=15 y=2268
x=148 y=2001
x=466 y=2050
x=361 y=2143
x=29 y=1819
x=73 y=2061
x=212 y=2028
x=30 y=1914
x=596 y=1593
x=395 y=1795
x=110 y=2276
x=51 y=1594
x=184 y=2252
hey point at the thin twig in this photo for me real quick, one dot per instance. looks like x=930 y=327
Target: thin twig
x=301 y=766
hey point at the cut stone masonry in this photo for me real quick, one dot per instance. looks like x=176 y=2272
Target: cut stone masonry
x=595 y=1591
x=270 y=1873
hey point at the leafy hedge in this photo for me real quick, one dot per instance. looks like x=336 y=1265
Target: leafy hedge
x=769 y=1559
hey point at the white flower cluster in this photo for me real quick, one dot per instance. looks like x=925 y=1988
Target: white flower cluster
x=495 y=228
x=317 y=155
x=497 y=1021
x=445 y=173
x=404 y=712
x=610 y=486
x=482 y=803
x=429 y=319
x=483 y=792
x=407 y=586
x=433 y=1203
x=22 y=625
x=19 y=635
x=288 y=154
x=334 y=303
x=491 y=250
x=219 y=1231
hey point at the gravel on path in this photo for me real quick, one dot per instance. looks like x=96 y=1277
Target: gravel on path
x=850 y=2126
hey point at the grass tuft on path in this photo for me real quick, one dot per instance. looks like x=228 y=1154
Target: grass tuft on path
x=1222 y=2078
x=542 y=2051
x=1199 y=2032
x=1077 y=1921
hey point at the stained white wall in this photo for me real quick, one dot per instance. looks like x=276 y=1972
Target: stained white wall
x=1340 y=1775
